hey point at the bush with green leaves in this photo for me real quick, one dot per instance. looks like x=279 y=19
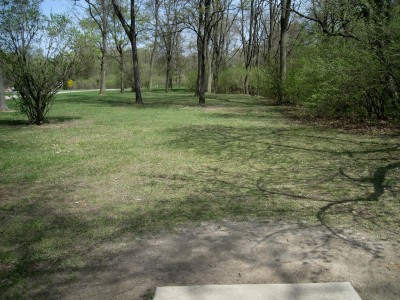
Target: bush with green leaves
x=37 y=53
x=339 y=77
x=231 y=80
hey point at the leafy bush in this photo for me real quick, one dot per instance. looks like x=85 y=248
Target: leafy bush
x=36 y=53
x=191 y=81
x=338 y=78
x=231 y=80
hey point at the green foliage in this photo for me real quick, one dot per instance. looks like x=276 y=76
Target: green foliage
x=87 y=54
x=339 y=78
x=353 y=70
x=192 y=81
x=37 y=54
x=269 y=82
x=231 y=80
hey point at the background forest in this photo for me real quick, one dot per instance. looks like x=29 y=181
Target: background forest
x=335 y=58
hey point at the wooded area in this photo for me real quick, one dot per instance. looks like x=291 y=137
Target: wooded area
x=215 y=159
x=336 y=58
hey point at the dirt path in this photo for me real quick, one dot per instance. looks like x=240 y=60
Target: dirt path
x=233 y=253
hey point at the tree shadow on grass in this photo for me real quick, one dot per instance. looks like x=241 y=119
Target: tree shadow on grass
x=35 y=234
x=377 y=181
x=96 y=99
x=216 y=139
x=232 y=253
x=48 y=120
x=61 y=119
x=13 y=122
x=154 y=100
x=292 y=165
x=254 y=172
x=158 y=99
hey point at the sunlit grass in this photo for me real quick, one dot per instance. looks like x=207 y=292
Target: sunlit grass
x=106 y=169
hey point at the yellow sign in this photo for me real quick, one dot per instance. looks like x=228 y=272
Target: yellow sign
x=70 y=83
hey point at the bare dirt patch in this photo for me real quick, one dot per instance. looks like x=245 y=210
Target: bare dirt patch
x=232 y=253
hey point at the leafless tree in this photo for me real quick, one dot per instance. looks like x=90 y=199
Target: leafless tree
x=170 y=28
x=225 y=16
x=99 y=11
x=129 y=26
x=283 y=44
x=251 y=13
x=200 y=19
x=120 y=43
x=156 y=7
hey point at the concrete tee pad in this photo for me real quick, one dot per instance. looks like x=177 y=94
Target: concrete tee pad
x=300 y=291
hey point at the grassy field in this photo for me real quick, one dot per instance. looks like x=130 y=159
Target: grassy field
x=104 y=169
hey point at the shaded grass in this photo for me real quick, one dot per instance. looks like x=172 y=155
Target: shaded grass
x=106 y=169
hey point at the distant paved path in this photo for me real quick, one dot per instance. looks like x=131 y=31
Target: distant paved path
x=71 y=91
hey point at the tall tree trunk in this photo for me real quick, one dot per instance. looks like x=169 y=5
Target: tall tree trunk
x=3 y=104
x=202 y=71
x=285 y=15
x=130 y=30
x=272 y=15
x=249 y=56
x=247 y=81
x=210 y=72
x=103 y=64
x=121 y=70
x=202 y=46
x=99 y=11
x=199 y=50
x=136 y=73
x=104 y=33
x=168 y=69
x=250 y=45
x=219 y=34
x=155 y=43
x=216 y=79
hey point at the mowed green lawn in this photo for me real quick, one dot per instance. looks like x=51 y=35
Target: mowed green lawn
x=104 y=169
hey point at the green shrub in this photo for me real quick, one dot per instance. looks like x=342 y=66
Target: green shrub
x=338 y=78
x=191 y=81
x=232 y=80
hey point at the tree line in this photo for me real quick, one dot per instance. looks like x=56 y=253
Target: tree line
x=337 y=58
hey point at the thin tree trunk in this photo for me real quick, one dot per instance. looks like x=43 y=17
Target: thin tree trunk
x=3 y=104
x=285 y=15
x=202 y=46
x=202 y=73
x=210 y=72
x=155 y=43
x=272 y=11
x=249 y=52
x=216 y=79
x=136 y=74
x=198 y=81
x=168 y=72
x=248 y=46
x=121 y=71
x=169 y=45
x=219 y=34
x=104 y=47
x=103 y=65
x=102 y=24
x=130 y=30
